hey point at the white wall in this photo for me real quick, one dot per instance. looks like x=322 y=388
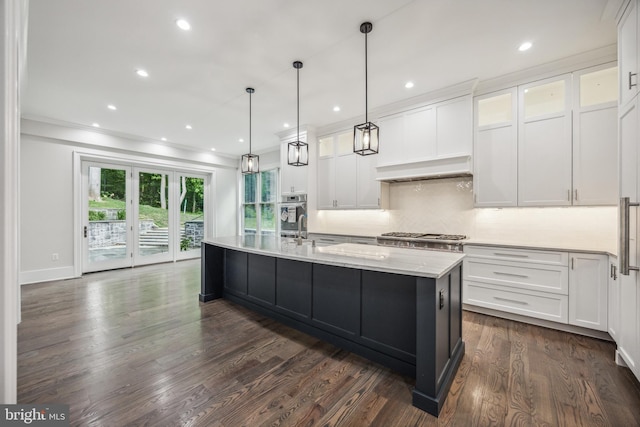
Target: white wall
x=48 y=182
x=446 y=206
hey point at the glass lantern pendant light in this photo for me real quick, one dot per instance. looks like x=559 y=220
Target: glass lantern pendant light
x=298 y=151
x=250 y=162
x=365 y=135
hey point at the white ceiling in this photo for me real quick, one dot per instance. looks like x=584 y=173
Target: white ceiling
x=82 y=56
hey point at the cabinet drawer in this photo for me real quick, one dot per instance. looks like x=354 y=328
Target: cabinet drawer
x=520 y=255
x=533 y=304
x=519 y=275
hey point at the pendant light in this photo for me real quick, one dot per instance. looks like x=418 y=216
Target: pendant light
x=298 y=151
x=365 y=135
x=250 y=162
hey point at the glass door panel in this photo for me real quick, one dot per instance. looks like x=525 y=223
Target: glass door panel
x=106 y=237
x=153 y=235
x=191 y=203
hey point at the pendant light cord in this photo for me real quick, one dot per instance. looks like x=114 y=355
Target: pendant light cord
x=366 y=81
x=298 y=97
x=249 y=122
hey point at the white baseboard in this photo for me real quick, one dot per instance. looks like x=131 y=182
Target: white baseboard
x=47 y=275
x=539 y=322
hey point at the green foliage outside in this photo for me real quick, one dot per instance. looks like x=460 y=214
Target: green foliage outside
x=97 y=216
x=158 y=215
x=113 y=194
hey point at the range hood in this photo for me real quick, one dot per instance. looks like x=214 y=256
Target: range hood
x=443 y=167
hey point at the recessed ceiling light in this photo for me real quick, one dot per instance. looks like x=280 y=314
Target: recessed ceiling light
x=183 y=24
x=286 y=125
x=525 y=46
x=213 y=149
x=336 y=108
x=95 y=125
x=142 y=73
x=111 y=107
x=188 y=127
x=408 y=85
x=240 y=140
x=163 y=138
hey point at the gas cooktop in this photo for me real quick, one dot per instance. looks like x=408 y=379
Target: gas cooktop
x=443 y=242
x=431 y=236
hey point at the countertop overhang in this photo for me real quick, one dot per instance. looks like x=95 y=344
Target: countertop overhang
x=413 y=262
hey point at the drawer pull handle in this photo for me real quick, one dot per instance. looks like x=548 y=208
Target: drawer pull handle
x=511 y=300
x=511 y=255
x=500 y=273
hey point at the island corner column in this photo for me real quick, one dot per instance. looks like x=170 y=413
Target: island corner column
x=439 y=345
x=212 y=272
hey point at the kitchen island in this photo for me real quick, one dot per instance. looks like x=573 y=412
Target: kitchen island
x=399 y=307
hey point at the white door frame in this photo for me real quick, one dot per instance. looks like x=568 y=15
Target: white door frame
x=100 y=156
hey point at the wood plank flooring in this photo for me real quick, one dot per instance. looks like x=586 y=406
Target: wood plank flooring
x=136 y=347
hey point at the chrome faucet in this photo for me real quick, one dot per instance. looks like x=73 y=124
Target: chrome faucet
x=301 y=218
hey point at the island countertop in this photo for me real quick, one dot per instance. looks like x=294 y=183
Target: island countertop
x=414 y=262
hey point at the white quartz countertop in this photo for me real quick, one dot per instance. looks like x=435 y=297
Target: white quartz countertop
x=575 y=246
x=412 y=262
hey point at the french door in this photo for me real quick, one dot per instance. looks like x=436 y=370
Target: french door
x=106 y=216
x=139 y=215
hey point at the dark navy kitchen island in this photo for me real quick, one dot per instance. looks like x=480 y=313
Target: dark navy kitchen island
x=399 y=307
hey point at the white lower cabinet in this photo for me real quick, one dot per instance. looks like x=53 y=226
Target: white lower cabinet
x=588 y=290
x=569 y=288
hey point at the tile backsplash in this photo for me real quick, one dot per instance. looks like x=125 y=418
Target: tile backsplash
x=446 y=206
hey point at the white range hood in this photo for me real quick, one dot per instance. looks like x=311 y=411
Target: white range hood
x=443 y=167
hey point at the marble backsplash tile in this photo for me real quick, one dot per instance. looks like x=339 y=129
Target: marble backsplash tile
x=446 y=206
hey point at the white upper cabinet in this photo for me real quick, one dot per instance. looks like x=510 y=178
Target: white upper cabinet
x=628 y=53
x=549 y=142
x=346 y=180
x=420 y=133
x=392 y=138
x=454 y=122
x=495 y=174
x=595 y=134
x=426 y=138
x=544 y=143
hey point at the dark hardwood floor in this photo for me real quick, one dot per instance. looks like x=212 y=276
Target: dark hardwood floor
x=135 y=347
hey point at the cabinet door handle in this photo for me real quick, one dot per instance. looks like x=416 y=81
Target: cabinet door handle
x=630 y=76
x=85 y=231
x=573 y=263
x=624 y=236
x=569 y=195
x=511 y=300
x=500 y=273
x=511 y=255
x=576 y=194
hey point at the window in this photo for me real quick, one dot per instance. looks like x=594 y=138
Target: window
x=259 y=202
